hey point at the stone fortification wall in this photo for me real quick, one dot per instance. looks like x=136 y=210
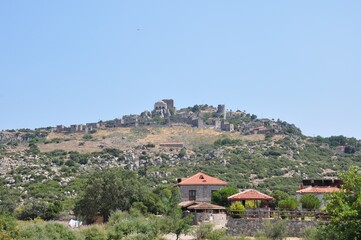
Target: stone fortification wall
x=249 y=227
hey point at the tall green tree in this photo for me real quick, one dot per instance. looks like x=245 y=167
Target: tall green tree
x=178 y=223
x=109 y=190
x=344 y=207
x=220 y=196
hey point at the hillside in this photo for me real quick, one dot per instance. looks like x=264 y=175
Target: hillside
x=45 y=164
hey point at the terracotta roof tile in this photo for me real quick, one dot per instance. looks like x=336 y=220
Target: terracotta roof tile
x=202 y=179
x=186 y=203
x=318 y=190
x=205 y=205
x=249 y=194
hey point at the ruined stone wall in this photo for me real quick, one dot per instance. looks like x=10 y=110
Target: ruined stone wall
x=249 y=227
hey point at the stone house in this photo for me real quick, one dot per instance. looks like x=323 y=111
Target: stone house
x=199 y=187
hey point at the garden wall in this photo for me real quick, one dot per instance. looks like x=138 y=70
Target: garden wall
x=249 y=227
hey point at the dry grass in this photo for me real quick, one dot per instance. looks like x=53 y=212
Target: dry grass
x=124 y=138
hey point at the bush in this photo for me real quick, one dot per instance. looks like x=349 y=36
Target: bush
x=46 y=231
x=39 y=209
x=182 y=153
x=274 y=231
x=227 y=142
x=122 y=225
x=220 y=196
x=7 y=228
x=94 y=233
x=87 y=137
x=202 y=231
x=310 y=202
x=238 y=209
x=288 y=204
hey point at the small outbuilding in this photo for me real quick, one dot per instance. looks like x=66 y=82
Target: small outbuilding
x=250 y=194
x=206 y=212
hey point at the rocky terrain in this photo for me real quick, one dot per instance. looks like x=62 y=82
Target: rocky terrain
x=43 y=163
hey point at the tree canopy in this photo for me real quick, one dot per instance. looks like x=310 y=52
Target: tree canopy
x=109 y=190
x=344 y=207
x=220 y=196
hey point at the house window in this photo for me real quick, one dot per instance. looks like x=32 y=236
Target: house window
x=192 y=195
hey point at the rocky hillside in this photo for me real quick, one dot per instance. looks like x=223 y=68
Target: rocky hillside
x=45 y=164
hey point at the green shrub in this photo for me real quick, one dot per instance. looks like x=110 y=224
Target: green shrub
x=7 y=228
x=237 y=209
x=122 y=225
x=202 y=231
x=45 y=231
x=237 y=206
x=87 y=137
x=288 y=204
x=227 y=142
x=39 y=209
x=94 y=233
x=275 y=230
x=310 y=202
x=220 y=196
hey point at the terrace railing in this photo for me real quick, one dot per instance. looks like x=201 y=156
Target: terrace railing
x=261 y=213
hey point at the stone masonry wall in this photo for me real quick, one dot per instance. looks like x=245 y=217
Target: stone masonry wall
x=249 y=227
x=203 y=192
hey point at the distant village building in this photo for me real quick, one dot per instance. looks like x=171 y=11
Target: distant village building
x=340 y=149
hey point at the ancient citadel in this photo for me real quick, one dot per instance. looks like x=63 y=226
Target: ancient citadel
x=165 y=113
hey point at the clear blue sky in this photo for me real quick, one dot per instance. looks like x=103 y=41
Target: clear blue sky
x=67 y=62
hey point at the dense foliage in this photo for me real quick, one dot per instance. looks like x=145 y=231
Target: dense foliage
x=344 y=207
x=110 y=190
x=288 y=204
x=310 y=202
x=219 y=197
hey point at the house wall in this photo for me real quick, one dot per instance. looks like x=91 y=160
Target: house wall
x=204 y=192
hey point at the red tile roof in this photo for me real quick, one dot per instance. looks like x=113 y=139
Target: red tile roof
x=202 y=179
x=205 y=205
x=318 y=190
x=249 y=194
x=186 y=203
